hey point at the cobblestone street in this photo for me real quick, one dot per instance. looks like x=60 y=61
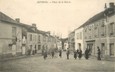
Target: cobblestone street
x=38 y=64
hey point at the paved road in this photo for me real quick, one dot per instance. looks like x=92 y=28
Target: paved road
x=38 y=64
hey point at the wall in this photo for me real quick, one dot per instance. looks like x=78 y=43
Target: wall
x=6 y=37
x=79 y=39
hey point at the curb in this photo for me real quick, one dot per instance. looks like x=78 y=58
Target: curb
x=19 y=57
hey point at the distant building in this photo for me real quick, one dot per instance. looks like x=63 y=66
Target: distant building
x=17 y=38
x=71 y=40
x=79 y=39
x=64 y=43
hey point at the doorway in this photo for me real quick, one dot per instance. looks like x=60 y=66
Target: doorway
x=102 y=49
x=111 y=51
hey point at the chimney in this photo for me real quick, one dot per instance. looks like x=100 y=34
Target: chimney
x=105 y=6
x=111 y=5
x=18 y=20
x=48 y=32
x=34 y=25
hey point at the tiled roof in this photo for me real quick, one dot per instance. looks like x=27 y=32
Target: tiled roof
x=41 y=32
x=6 y=18
x=98 y=16
x=93 y=19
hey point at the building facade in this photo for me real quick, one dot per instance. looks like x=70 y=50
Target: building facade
x=71 y=40
x=99 y=31
x=10 y=36
x=17 y=38
x=79 y=39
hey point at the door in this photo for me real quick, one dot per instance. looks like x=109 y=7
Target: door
x=39 y=47
x=90 y=47
x=111 y=49
x=23 y=50
x=14 y=49
x=102 y=49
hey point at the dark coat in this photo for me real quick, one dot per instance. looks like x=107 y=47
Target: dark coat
x=60 y=53
x=75 y=54
x=87 y=53
x=99 y=54
x=80 y=54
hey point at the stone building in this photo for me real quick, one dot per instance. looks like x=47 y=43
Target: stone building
x=17 y=38
x=71 y=40
x=10 y=36
x=99 y=31
x=79 y=39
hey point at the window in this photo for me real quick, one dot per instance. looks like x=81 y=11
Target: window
x=111 y=49
x=85 y=29
x=30 y=37
x=103 y=29
x=39 y=47
x=80 y=35
x=13 y=32
x=89 y=28
x=14 y=35
x=38 y=38
x=77 y=35
x=111 y=28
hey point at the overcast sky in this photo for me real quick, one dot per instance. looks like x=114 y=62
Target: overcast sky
x=58 y=18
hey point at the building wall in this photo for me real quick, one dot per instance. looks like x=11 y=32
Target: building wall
x=98 y=34
x=65 y=45
x=32 y=41
x=6 y=38
x=79 y=39
x=71 y=40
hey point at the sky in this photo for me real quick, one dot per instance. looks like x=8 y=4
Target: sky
x=59 y=18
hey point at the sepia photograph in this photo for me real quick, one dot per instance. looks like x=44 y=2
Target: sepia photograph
x=57 y=35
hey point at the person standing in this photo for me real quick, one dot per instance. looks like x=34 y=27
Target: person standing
x=45 y=54
x=67 y=53
x=75 y=54
x=60 y=53
x=80 y=53
x=52 y=53
x=98 y=53
x=86 y=53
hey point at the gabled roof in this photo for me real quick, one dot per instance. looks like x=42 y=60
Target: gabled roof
x=28 y=27
x=93 y=19
x=41 y=32
x=5 y=18
x=98 y=16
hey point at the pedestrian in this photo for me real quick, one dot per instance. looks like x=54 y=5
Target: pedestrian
x=67 y=53
x=45 y=54
x=52 y=52
x=75 y=54
x=86 y=53
x=80 y=53
x=29 y=52
x=60 y=53
x=98 y=53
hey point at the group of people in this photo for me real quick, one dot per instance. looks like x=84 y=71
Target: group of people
x=87 y=53
x=77 y=53
x=52 y=53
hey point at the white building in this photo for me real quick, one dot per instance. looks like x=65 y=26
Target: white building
x=79 y=39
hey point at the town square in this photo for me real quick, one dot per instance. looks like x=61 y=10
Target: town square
x=57 y=36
